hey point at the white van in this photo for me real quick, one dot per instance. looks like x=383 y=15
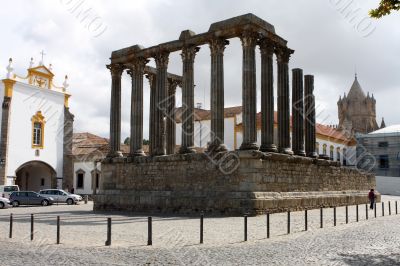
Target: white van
x=5 y=191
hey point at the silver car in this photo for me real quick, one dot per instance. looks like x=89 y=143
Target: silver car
x=61 y=196
x=4 y=203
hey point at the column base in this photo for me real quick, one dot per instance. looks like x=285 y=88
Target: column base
x=268 y=148
x=324 y=157
x=312 y=155
x=215 y=148
x=249 y=146
x=286 y=151
x=115 y=154
x=186 y=150
x=300 y=153
x=158 y=152
x=138 y=153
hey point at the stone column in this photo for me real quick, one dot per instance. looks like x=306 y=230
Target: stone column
x=267 y=96
x=152 y=81
x=115 y=110
x=188 y=55
x=283 y=54
x=136 y=137
x=217 y=47
x=249 y=93
x=170 y=117
x=160 y=102
x=309 y=114
x=297 y=112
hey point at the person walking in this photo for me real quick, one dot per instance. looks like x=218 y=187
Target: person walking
x=371 y=197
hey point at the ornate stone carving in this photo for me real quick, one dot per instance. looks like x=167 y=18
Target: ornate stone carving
x=283 y=54
x=249 y=39
x=189 y=53
x=116 y=69
x=267 y=47
x=162 y=59
x=217 y=45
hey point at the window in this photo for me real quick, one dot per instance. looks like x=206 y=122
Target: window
x=384 y=161
x=383 y=144
x=42 y=182
x=331 y=150
x=324 y=149
x=344 y=157
x=338 y=154
x=79 y=180
x=97 y=180
x=37 y=130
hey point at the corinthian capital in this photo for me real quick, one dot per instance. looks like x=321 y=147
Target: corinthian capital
x=249 y=39
x=116 y=69
x=139 y=64
x=162 y=59
x=266 y=46
x=217 y=45
x=189 y=52
x=283 y=54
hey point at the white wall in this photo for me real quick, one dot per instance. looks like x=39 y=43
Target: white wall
x=26 y=101
x=87 y=167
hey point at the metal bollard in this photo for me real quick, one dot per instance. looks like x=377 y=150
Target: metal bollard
x=108 y=241
x=305 y=220
x=366 y=211
x=245 y=227
x=149 y=231
x=288 y=222
x=347 y=214
x=321 y=212
x=11 y=226
x=334 y=216
x=390 y=209
x=268 y=229
x=201 y=227
x=357 y=213
x=375 y=210
x=58 y=230
x=32 y=226
x=383 y=208
x=396 y=206
x=86 y=199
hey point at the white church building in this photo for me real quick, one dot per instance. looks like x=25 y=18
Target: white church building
x=36 y=130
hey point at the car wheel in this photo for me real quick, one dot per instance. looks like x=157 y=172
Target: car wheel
x=15 y=203
x=1 y=205
x=45 y=202
x=70 y=201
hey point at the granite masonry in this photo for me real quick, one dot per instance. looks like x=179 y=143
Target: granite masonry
x=275 y=177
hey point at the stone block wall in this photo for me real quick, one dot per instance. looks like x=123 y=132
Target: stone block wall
x=194 y=182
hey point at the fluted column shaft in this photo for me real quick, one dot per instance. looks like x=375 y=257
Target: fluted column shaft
x=309 y=113
x=188 y=55
x=115 y=110
x=136 y=138
x=170 y=118
x=297 y=112
x=249 y=93
x=217 y=47
x=160 y=104
x=152 y=81
x=283 y=55
x=267 y=96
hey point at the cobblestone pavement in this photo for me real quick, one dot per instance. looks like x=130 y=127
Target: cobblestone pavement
x=175 y=239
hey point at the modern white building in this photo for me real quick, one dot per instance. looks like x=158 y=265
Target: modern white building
x=36 y=130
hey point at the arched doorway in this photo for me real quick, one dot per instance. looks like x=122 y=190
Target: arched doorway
x=36 y=175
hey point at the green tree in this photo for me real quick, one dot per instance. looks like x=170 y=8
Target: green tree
x=384 y=8
x=127 y=141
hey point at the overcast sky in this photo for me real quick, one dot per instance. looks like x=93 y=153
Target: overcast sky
x=331 y=39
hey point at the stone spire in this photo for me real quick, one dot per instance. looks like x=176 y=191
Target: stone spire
x=383 y=124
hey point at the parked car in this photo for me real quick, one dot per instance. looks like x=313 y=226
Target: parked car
x=5 y=191
x=4 y=203
x=60 y=195
x=29 y=198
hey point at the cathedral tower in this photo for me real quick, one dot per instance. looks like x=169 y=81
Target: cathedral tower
x=357 y=112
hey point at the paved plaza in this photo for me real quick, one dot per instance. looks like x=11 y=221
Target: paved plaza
x=176 y=239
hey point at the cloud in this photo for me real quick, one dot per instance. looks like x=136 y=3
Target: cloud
x=326 y=44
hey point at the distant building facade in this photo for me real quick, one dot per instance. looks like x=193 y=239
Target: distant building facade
x=36 y=130
x=357 y=111
x=379 y=151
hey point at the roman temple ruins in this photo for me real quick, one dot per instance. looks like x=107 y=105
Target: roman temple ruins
x=286 y=175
